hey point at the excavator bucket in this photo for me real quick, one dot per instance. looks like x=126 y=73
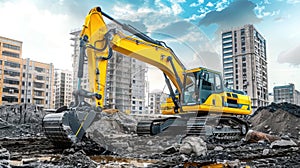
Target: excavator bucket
x=66 y=127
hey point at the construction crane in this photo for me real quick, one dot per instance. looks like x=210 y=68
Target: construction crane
x=204 y=106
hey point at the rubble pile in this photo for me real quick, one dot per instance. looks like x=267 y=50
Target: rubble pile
x=20 y=120
x=111 y=141
x=280 y=119
x=116 y=132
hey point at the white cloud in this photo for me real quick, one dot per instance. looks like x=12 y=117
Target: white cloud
x=195 y=4
x=176 y=8
x=45 y=35
x=221 y=5
x=209 y=4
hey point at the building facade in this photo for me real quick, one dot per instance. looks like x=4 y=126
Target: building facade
x=63 y=84
x=24 y=80
x=125 y=83
x=286 y=93
x=245 y=63
x=155 y=100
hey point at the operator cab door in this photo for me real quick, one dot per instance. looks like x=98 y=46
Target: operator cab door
x=211 y=89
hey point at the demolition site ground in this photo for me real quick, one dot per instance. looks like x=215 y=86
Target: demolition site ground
x=111 y=141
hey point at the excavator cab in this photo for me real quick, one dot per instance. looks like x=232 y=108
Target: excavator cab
x=199 y=84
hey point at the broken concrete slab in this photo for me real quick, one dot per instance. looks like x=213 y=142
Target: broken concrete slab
x=283 y=143
x=193 y=144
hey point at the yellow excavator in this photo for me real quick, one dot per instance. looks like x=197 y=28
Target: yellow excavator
x=201 y=103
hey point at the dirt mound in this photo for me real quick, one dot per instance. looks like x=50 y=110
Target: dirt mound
x=288 y=107
x=280 y=119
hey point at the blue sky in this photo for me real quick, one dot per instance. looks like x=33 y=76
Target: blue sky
x=191 y=27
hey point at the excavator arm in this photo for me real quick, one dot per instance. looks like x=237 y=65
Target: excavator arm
x=99 y=43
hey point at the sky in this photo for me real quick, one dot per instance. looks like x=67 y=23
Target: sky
x=192 y=28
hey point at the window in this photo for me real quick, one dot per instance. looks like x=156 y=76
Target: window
x=10 y=54
x=12 y=64
x=228 y=54
x=228 y=69
x=228 y=38
x=227 y=33
x=13 y=47
x=244 y=58
x=218 y=83
x=228 y=64
x=227 y=44
x=39 y=69
x=242 y=31
x=227 y=49
x=227 y=59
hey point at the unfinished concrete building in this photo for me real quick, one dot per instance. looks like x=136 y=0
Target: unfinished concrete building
x=125 y=86
x=245 y=63
x=24 y=80
x=155 y=100
x=63 y=84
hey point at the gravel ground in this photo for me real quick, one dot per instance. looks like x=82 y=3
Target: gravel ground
x=111 y=142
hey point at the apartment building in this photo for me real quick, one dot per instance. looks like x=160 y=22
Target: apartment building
x=23 y=80
x=155 y=100
x=125 y=84
x=38 y=83
x=63 y=84
x=286 y=93
x=10 y=70
x=245 y=63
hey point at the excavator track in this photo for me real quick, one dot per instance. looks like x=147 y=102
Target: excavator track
x=217 y=128
x=153 y=127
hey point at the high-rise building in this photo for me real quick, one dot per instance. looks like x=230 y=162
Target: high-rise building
x=63 y=84
x=125 y=84
x=286 y=93
x=155 y=100
x=24 y=80
x=245 y=63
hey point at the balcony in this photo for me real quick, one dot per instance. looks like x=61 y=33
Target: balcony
x=39 y=81
x=38 y=97
x=38 y=89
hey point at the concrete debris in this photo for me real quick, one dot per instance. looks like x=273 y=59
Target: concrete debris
x=4 y=154
x=20 y=120
x=266 y=152
x=113 y=136
x=218 y=148
x=255 y=136
x=78 y=159
x=192 y=144
x=283 y=143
